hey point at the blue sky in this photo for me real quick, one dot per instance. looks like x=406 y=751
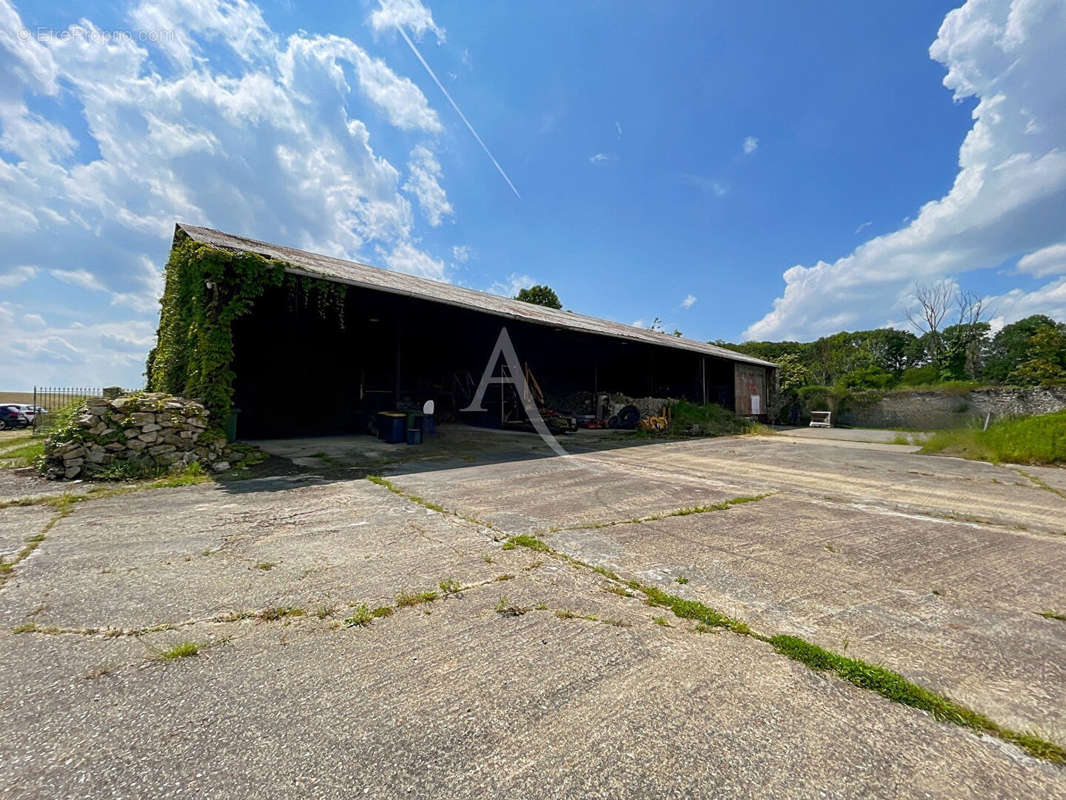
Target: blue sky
x=756 y=170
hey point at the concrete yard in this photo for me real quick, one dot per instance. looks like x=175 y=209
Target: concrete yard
x=530 y=674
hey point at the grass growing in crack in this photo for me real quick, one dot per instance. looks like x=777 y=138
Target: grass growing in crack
x=361 y=615
x=661 y=621
x=381 y=611
x=532 y=542
x=406 y=599
x=406 y=495
x=621 y=591
x=279 y=612
x=897 y=688
x=681 y=579
x=1052 y=615
x=505 y=607
x=449 y=587
x=679 y=512
x=689 y=609
x=183 y=650
x=266 y=566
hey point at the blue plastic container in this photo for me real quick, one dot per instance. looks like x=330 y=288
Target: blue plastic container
x=392 y=427
x=414 y=436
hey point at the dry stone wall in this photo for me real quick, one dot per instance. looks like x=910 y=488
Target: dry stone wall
x=138 y=434
x=937 y=409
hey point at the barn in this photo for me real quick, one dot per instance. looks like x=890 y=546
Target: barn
x=306 y=361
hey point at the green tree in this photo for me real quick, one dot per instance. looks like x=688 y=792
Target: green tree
x=1046 y=362
x=1010 y=347
x=791 y=372
x=539 y=295
x=892 y=350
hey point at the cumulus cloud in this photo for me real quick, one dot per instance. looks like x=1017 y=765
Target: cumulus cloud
x=689 y=301
x=80 y=354
x=424 y=183
x=1006 y=200
x=406 y=257
x=1048 y=261
x=600 y=158
x=222 y=123
x=461 y=253
x=407 y=13
x=751 y=144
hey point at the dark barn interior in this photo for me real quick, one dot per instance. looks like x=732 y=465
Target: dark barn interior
x=301 y=372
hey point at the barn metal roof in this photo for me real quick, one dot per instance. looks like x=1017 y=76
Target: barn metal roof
x=301 y=262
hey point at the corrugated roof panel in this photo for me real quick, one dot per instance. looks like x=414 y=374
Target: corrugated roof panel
x=367 y=277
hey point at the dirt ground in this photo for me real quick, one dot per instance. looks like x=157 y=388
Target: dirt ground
x=530 y=674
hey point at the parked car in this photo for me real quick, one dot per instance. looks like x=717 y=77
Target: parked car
x=32 y=411
x=12 y=417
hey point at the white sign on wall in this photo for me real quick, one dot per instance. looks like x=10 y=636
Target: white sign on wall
x=756 y=404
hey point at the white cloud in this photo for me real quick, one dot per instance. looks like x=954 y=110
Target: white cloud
x=713 y=185
x=1048 y=261
x=424 y=183
x=78 y=277
x=223 y=124
x=864 y=226
x=751 y=144
x=461 y=253
x=72 y=354
x=405 y=257
x=689 y=301
x=16 y=276
x=1008 y=195
x=409 y=13
x=509 y=287
x=600 y=158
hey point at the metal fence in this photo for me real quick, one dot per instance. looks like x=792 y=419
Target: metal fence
x=56 y=399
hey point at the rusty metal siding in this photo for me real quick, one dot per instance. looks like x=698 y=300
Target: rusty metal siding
x=751 y=382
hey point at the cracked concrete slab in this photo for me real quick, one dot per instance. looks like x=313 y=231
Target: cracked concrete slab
x=455 y=699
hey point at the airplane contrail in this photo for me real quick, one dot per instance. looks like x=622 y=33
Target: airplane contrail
x=462 y=116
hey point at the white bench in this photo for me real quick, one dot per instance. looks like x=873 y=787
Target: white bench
x=820 y=419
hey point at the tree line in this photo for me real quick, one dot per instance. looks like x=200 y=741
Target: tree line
x=1029 y=352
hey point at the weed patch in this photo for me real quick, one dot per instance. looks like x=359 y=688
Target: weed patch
x=898 y=689
x=407 y=599
x=1026 y=440
x=360 y=616
x=183 y=650
x=1053 y=615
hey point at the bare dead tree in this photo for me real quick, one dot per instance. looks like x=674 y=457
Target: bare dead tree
x=971 y=308
x=972 y=311
x=934 y=300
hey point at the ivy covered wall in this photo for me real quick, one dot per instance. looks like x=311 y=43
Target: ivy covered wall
x=207 y=290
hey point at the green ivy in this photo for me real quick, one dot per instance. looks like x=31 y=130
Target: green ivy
x=207 y=290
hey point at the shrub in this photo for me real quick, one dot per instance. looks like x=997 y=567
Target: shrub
x=707 y=419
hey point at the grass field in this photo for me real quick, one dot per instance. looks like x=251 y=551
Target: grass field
x=22 y=398
x=1026 y=440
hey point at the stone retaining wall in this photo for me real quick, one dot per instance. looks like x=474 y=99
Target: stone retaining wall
x=937 y=409
x=134 y=434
